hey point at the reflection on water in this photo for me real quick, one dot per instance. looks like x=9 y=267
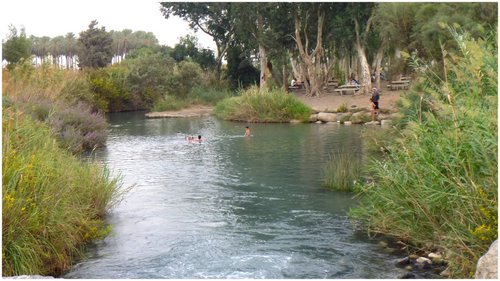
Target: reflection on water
x=230 y=207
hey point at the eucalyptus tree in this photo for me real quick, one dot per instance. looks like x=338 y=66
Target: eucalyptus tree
x=213 y=18
x=303 y=15
x=254 y=30
x=16 y=47
x=362 y=16
x=95 y=47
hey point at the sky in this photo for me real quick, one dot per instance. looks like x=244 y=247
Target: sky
x=57 y=17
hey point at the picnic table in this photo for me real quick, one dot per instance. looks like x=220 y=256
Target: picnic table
x=333 y=83
x=347 y=89
x=399 y=84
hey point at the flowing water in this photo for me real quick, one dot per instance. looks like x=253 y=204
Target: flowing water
x=231 y=206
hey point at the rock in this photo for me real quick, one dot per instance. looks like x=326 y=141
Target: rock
x=28 y=277
x=446 y=273
x=386 y=123
x=396 y=115
x=413 y=256
x=343 y=117
x=487 y=266
x=313 y=118
x=408 y=275
x=372 y=123
x=403 y=262
x=360 y=117
x=332 y=123
x=423 y=263
x=327 y=117
x=423 y=260
x=436 y=258
x=347 y=123
x=382 y=244
x=319 y=122
x=295 y=121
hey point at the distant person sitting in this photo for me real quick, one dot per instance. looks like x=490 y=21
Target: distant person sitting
x=293 y=84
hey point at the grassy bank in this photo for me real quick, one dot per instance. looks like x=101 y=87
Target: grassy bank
x=253 y=106
x=436 y=187
x=52 y=203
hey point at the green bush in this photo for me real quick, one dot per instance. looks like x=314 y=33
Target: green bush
x=253 y=106
x=437 y=187
x=52 y=202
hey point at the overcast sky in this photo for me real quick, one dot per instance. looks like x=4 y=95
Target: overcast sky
x=57 y=17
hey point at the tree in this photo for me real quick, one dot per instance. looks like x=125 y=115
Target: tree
x=213 y=18
x=95 y=47
x=189 y=48
x=16 y=47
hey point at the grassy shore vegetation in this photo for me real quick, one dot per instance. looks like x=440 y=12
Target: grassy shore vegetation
x=254 y=106
x=436 y=186
x=52 y=202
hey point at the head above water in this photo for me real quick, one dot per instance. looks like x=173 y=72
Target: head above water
x=199 y=137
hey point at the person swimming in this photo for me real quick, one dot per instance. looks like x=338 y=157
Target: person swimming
x=247 y=131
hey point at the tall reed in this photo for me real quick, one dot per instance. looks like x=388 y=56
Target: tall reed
x=52 y=202
x=437 y=186
x=343 y=170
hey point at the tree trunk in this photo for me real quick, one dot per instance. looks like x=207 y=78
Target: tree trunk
x=364 y=76
x=264 y=70
x=378 y=65
x=285 y=78
x=311 y=62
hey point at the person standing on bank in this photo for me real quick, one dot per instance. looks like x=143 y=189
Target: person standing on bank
x=375 y=98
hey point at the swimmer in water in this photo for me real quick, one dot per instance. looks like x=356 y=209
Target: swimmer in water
x=247 y=131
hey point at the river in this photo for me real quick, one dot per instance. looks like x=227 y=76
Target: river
x=231 y=206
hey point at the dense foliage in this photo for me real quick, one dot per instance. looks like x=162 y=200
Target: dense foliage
x=437 y=185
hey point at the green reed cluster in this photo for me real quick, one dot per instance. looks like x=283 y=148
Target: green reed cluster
x=436 y=186
x=255 y=106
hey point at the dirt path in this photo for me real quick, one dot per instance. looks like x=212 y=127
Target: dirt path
x=193 y=111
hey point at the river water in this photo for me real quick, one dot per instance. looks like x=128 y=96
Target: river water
x=231 y=206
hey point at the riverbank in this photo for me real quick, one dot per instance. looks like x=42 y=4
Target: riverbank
x=329 y=102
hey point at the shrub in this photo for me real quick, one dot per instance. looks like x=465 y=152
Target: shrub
x=253 y=106
x=342 y=108
x=72 y=120
x=52 y=202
